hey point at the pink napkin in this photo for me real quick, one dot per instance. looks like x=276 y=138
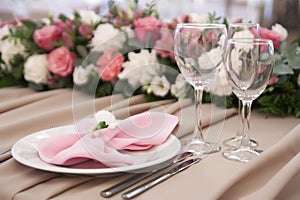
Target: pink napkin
x=109 y=146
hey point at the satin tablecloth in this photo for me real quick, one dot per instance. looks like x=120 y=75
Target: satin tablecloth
x=275 y=174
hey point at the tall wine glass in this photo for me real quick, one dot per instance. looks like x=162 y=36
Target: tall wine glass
x=248 y=64
x=241 y=30
x=199 y=50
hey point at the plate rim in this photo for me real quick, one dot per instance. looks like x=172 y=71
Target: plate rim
x=102 y=171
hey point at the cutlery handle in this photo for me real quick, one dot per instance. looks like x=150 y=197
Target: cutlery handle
x=134 y=179
x=124 y=184
x=142 y=188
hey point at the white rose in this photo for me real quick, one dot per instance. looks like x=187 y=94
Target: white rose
x=106 y=36
x=107 y=117
x=46 y=21
x=81 y=75
x=210 y=59
x=9 y=49
x=35 y=69
x=178 y=88
x=236 y=63
x=140 y=68
x=220 y=86
x=196 y=18
x=280 y=30
x=244 y=45
x=160 y=86
x=243 y=34
x=89 y=17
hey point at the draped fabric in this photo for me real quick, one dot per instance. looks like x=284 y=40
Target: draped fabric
x=274 y=174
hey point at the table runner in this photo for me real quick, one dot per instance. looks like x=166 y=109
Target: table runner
x=213 y=178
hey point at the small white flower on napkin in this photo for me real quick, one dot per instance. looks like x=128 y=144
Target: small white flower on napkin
x=107 y=117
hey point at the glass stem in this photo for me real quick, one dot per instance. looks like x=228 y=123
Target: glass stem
x=246 y=114
x=198 y=124
x=240 y=129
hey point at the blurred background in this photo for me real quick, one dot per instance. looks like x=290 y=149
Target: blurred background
x=265 y=12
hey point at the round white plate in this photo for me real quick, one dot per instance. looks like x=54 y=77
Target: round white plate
x=25 y=152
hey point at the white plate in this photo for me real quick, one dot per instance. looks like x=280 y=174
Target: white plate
x=25 y=152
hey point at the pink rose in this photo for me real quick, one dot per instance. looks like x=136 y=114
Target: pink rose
x=9 y=22
x=237 y=20
x=67 y=40
x=66 y=26
x=110 y=65
x=180 y=19
x=45 y=36
x=165 y=46
x=147 y=27
x=60 y=61
x=273 y=80
x=211 y=36
x=271 y=35
x=86 y=31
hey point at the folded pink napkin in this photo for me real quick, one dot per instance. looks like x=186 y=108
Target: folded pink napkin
x=109 y=146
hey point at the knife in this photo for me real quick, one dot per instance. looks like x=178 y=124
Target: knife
x=145 y=186
x=131 y=181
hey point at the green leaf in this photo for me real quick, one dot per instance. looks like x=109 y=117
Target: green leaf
x=9 y=80
x=282 y=69
x=82 y=51
x=29 y=24
x=63 y=17
x=292 y=49
x=297 y=40
x=104 y=89
x=293 y=55
x=76 y=14
x=37 y=87
x=101 y=125
x=77 y=61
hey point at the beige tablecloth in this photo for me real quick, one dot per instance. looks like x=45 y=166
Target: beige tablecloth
x=273 y=175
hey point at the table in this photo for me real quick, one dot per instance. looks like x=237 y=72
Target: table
x=274 y=174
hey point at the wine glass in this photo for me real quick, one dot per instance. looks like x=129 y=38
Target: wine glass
x=198 y=51
x=241 y=30
x=248 y=64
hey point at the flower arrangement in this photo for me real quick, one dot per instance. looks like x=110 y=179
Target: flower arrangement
x=282 y=95
x=128 y=51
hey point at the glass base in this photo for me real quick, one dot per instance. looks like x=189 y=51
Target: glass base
x=200 y=147
x=241 y=155
x=236 y=141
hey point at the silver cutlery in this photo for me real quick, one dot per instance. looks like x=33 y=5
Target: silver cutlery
x=132 y=180
x=145 y=186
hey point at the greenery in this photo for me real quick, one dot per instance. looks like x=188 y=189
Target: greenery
x=101 y=125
